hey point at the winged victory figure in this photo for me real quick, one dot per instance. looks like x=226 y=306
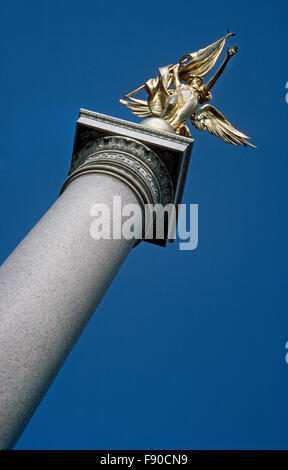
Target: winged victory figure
x=176 y=94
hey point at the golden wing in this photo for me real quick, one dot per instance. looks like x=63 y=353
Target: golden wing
x=139 y=107
x=208 y=117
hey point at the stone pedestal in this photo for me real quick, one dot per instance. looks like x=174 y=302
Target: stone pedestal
x=53 y=281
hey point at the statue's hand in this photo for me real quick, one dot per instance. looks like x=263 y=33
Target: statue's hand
x=232 y=51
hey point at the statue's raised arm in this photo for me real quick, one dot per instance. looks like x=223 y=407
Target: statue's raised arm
x=213 y=80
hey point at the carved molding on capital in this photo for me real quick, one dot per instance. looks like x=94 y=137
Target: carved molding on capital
x=129 y=160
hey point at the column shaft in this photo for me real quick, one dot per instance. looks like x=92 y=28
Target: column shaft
x=49 y=288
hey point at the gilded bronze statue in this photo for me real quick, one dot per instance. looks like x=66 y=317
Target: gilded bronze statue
x=176 y=93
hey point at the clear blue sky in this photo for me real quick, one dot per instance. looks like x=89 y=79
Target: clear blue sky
x=187 y=350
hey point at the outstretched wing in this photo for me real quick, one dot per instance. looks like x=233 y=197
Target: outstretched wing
x=208 y=117
x=139 y=107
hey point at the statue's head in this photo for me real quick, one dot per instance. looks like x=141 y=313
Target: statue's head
x=196 y=81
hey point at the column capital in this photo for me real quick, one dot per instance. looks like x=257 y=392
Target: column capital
x=129 y=160
x=153 y=163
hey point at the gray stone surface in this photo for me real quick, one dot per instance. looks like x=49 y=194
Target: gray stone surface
x=49 y=287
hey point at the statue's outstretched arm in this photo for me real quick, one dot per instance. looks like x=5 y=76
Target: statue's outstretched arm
x=213 y=80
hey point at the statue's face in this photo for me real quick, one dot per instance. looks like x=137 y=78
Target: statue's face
x=197 y=81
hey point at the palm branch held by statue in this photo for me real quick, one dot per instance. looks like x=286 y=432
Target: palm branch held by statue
x=175 y=102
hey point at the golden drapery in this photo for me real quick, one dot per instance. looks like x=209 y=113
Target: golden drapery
x=202 y=61
x=196 y=63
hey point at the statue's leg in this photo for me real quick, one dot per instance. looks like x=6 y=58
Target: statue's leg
x=171 y=103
